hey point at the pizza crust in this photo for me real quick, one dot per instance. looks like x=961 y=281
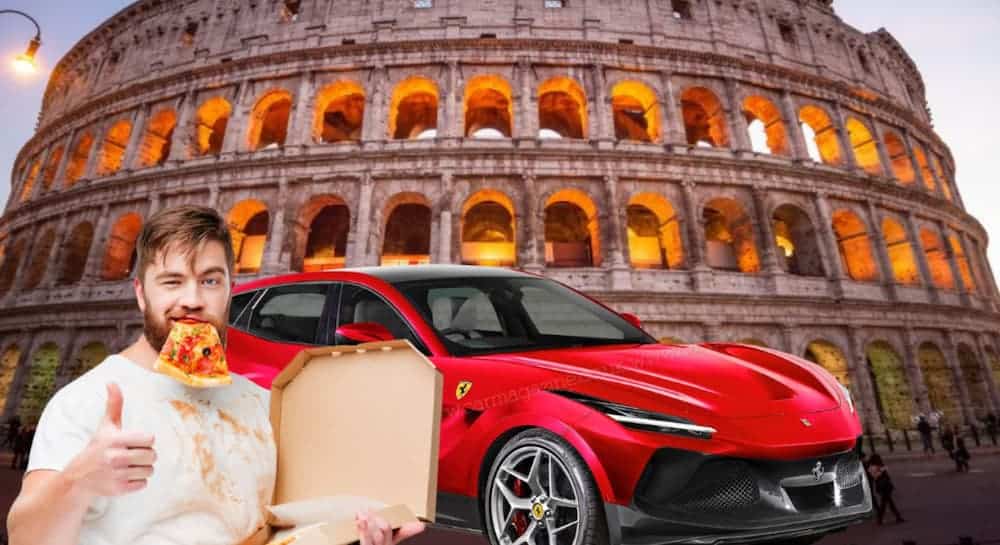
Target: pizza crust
x=197 y=381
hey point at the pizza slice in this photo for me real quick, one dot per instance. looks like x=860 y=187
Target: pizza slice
x=193 y=354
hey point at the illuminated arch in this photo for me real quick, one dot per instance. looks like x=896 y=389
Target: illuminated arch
x=975 y=383
x=413 y=110
x=329 y=221
x=249 y=222
x=925 y=167
x=945 y=183
x=76 y=166
x=29 y=180
x=892 y=390
x=864 y=146
x=797 y=241
x=963 y=263
x=8 y=266
x=937 y=259
x=831 y=358
x=269 y=120
x=119 y=254
x=407 y=228
x=855 y=246
x=155 y=147
x=822 y=142
x=212 y=121
x=40 y=384
x=340 y=112
x=113 y=148
x=766 y=126
x=902 y=166
x=8 y=368
x=51 y=166
x=939 y=380
x=571 y=230
x=729 y=238
x=489 y=109
x=39 y=259
x=87 y=358
x=704 y=118
x=562 y=108
x=488 y=230
x=654 y=233
x=74 y=260
x=901 y=257
x=636 y=112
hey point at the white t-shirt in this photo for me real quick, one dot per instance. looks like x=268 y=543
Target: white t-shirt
x=215 y=455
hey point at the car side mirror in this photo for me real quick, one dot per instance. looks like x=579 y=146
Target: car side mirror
x=361 y=332
x=632 y=319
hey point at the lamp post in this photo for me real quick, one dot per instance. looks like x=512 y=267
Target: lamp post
x=25 y=62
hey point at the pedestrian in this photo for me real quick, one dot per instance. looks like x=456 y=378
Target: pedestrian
x=865 y=464
x=991 y=427
x=884 y=487
x=961 y=455
x=96 y=476
x=13 y=428
x=948 y=440
x=924 y=427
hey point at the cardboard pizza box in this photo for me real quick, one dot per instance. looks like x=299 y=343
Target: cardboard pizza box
x=358 y=424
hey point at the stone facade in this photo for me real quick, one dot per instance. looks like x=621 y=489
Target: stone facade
x=752 y=171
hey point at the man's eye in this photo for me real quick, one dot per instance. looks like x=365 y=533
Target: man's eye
x=171 y=283
x=212 y=281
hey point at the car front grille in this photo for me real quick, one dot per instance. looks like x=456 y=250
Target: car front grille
x=724 y=485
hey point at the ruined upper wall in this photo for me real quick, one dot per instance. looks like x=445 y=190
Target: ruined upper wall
x=157 y=38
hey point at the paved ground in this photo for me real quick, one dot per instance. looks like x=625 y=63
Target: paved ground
x=939 y=505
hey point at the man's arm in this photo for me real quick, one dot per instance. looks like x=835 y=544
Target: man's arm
x=52 y=503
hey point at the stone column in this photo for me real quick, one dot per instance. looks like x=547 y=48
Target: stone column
x=444 y=219
x=798 y=139
x=95 y=151
x=66 y=367
x=881 y=252
x=914 y=373
x=766 y=232
x=883 y=153
x=828 y=242
x=39 y=188
x=275 y=247
x=183 y=142
x=918 y=248
x=525 y=102
x=844 y=137
x=739 y=136
x=621 y=276
x=601 y=111
x=918 y=173
x=154 y=204
x=694 y=227
x=534 y=229
x=860 y=373
x=300 y=124
x=362 y=222
x=372 y=128
x=956 y=271
x=674 y=131
x=236 y=129
x=139 y=117
x=951 y=355
x=60 y=176
x=788 y=337
x=53 y=267
x=92 y=269
x=453 y=123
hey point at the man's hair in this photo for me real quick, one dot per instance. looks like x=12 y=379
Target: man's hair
x=185 y=228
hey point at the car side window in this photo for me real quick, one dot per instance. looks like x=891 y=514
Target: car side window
x=290 y=313
x=358 y=304
x=238 y=306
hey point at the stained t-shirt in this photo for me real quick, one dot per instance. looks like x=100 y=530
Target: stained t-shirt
x=215 y=455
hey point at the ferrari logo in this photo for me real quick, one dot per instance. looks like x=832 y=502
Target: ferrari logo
x=817 y=471
x=538 y=511
x=463 y=389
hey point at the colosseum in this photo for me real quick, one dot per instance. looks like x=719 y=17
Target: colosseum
x=739 y=170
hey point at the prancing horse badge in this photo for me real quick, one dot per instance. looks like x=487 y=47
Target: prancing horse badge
x=462 y=389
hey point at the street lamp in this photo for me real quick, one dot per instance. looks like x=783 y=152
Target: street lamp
x=25 y=62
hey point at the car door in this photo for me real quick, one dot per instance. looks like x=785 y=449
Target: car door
x=276 y=324
x=359 y=304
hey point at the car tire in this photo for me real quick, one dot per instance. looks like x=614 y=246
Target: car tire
x=521 y=471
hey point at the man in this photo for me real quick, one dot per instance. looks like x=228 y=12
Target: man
x=125 y=455
x=924 y=427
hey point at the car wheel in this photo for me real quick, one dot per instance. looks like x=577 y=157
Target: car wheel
x=541 y=492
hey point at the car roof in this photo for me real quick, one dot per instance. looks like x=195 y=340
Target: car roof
x=391 y=274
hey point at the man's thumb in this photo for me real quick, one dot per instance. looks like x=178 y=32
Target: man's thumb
x=113 y=412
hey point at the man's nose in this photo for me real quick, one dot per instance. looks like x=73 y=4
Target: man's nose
x=191 y=296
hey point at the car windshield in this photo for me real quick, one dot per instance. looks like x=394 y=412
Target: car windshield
x=475 y=316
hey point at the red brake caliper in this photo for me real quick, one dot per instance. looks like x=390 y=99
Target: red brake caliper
x=520 y=518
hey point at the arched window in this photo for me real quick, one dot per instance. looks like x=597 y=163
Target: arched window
x=766 y=127
x=636 y=112
x=269 y=121
x=489 y=109
x=704 y=118
x=212 y=119
x=340 y=113
x=413 y=111
x=729 y=238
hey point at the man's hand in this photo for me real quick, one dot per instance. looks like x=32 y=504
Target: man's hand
x=115 y=462
x=374 y=530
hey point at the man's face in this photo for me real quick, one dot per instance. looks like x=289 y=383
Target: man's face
x=171 y=289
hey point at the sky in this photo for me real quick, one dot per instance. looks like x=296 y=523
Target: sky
x=955 y=44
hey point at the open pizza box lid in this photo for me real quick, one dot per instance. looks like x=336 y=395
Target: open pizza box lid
x=357 y=423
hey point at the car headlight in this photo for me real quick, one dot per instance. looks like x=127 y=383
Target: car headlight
x=641 y=419
x=847 y=396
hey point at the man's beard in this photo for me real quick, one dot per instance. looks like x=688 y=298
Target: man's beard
x=157 y=328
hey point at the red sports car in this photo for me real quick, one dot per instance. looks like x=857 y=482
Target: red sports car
x=564 y=423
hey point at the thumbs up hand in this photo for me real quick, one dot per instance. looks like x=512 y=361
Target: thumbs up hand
x=115 y=462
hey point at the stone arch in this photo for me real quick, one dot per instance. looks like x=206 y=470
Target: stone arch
x=212 y=120
x=797 y=241
x=939 y=381
x=820 y=133
x=249 y=222
x=704 y=118
x=325 y=242
x=937 y=258
x=51 y=166
x=340 y=112
x=489 y=108
x=74 y=260
x=11 y=261
x=902 y=166
x=119 y=254
x=413 y=110
x=155 y=147
x=76 y=165
x=113 y=148
x=572 y=230
x=994 y=363
x=925 y=167
x=269 y=120
x=562 y=109
x=729 y=237
x=945 y=183
x=488 y=230
x=636 y=111
x=87 y=358
x=766 y=127
x=407 y=228
x=855 y=246
x=39 y=259
x=864 y=145
x=40 y=383
x=654 y=233
x=892 y=390
x=29 y=179
x=963 y=263
x=975 y=383
x=828 y=356
x=8 y=368
x=901 y=257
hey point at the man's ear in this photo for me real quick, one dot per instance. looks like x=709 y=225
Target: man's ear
x=137 y=287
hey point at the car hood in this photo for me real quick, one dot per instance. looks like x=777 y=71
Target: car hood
x=724 y=380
